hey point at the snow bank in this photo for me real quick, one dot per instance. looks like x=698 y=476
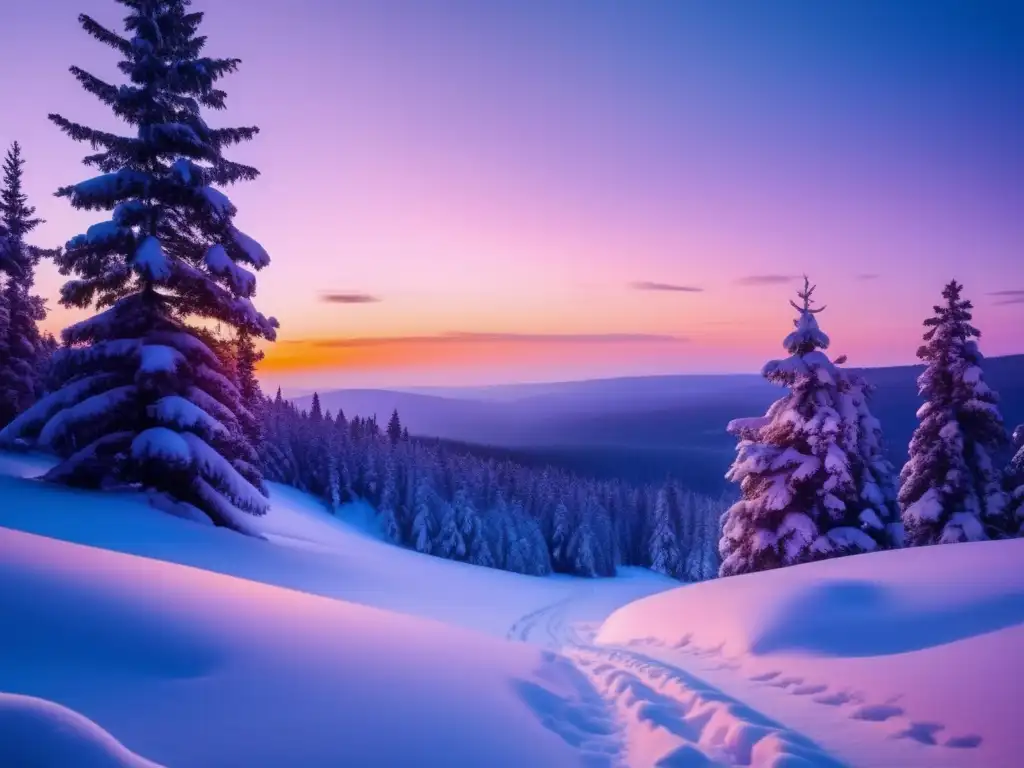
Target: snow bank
x=194 y=668
x=309 y=550
x=35 y=732
x=919 y=645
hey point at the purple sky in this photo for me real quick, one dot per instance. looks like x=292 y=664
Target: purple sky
x=521 y=190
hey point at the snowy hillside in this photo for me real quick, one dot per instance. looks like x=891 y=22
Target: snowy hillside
x=191 y=668
x=905 y=658
x=307 y=549
x=123 y=659
x=133 y=638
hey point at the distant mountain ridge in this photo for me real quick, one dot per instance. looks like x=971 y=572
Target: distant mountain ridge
x=639 y=428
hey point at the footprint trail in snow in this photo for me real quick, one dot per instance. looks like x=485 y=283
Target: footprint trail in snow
x=651 y=705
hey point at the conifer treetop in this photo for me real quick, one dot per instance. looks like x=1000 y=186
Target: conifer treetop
x=18 y=216
x=17 y=219
x=171 y=228
x=804 y=344
x=807 y=337
x=22 y=348
x=950 y=490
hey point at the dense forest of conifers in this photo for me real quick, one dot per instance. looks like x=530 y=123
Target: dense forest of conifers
x=457 y=505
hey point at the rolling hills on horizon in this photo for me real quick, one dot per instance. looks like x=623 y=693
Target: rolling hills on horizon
x=637 y=428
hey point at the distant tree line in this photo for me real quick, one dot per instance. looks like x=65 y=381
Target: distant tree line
x=499 y=514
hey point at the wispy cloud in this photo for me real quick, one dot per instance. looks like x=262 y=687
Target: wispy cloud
x=868 y=276
x=765 y=279
x=1012 y=296
x=470 y=337
x=348 y=298
x=647 y=285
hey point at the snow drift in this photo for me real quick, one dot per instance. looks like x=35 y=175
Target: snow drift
x=920 y=646
x=307 y=549
x=35 y=732
x=187 y=667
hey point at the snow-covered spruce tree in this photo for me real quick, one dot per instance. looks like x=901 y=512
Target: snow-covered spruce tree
x=664 y=544
x=466 y=517
x=423 y=517
x=873 y=473
x=801 y=473
x=144 y=399
x=388 y=501
x=1015 y=484
x=950 y=490
x=21 y=345
x=581 y=549
x=246 y=359
x=560 y=533
x=450 y=544
x=5 y=268
x=706 y=558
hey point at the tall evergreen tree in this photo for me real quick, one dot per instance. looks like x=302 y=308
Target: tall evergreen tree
x=873 y=473
x=560 y=534
x=664 y=544
x=950 y=489
x=6 y=268
x=799 y=467
x=394 y=427
x=247 y=357
x=450 y=543
x=144 y=399
x=423 y=516
x=22 y=348
x=388 y=502
x=1015 y=484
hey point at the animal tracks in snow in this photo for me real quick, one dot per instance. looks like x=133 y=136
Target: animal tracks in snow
x=876 y=713
x=902 y=727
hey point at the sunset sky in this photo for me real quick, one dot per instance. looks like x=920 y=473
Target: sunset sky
x=457 y=191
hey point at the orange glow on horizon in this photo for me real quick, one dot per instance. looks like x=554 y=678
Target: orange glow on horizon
x=312 y=355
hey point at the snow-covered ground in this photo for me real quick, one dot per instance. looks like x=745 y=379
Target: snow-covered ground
x=270 y=653
x=905 y=658
x=307 y=549
x=191 y=668
x=131 y=638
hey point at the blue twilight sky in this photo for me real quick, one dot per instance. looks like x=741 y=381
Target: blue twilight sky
x=464 y=191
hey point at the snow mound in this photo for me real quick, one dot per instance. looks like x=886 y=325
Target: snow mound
x=199 y=669
x=919 y=646
x=40 y=733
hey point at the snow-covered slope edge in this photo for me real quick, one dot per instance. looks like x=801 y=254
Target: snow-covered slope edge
x=40 y=733
x=188 y=667
x=307 y=549
x=910 y=652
